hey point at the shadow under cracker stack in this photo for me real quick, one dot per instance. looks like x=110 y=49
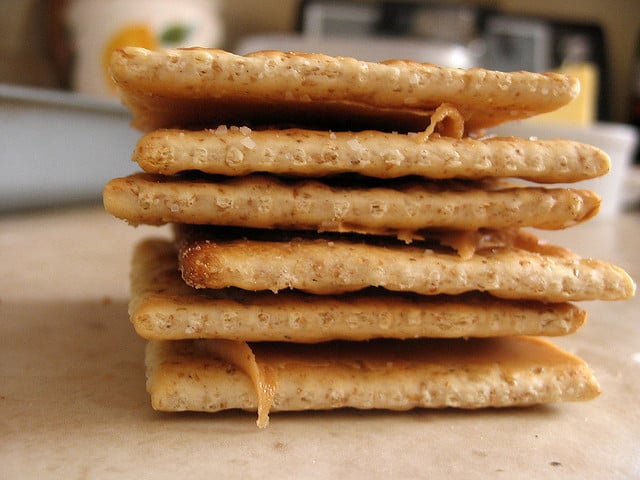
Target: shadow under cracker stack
x=345 y=236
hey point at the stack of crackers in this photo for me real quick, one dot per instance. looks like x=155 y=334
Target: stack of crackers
x=345 y=236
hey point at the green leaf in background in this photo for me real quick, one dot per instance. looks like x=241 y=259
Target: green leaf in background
x=175 y=34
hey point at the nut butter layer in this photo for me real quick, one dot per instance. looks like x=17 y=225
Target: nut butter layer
x=331 y=264
x=380 y=374
x=236 y=151
x=185 y=87
x=163 y=307
x=263 y=201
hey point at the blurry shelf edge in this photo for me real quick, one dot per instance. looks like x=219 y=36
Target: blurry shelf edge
x=60 y=98
x=60 y=147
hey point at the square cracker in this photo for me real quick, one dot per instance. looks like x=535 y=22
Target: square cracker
x=381 y=374
x=212 y=257
x=236 y=151
x=389 y=207
x=186 y=87
x=163 y=307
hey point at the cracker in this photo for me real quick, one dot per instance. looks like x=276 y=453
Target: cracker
x=185 y=87
x=235 y=151
x=330 y=264
x=263 y=201
x=381 y=374
x=163 y=307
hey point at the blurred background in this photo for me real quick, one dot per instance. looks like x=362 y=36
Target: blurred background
x=54 y=55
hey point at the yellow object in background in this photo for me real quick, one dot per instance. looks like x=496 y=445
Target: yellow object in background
x=98 y=27
x=136 y=35
x=582 y=110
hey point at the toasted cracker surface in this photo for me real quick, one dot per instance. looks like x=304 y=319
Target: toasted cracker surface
x=235 y=151
x=263 y=201
x=381 y=374
x=219 y=257
x=180 y=87
x=163 y=307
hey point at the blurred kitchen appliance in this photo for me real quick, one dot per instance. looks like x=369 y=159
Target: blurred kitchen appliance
x=488 y=37
x=543 y=44
x=323 y=19
x=448 y=23
x=373 y=49
x=376 y=32
x=517 y=44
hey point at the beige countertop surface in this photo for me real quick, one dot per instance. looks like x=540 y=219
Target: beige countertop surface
x=73 y=402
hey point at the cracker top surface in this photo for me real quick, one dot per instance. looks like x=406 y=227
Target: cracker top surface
x=206 y=86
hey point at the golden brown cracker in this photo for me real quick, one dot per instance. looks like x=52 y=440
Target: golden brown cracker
x=236 y=151
x=381 y=374
x=330 y=264
x=181 y=87
x=163 y=307
x=263 y=201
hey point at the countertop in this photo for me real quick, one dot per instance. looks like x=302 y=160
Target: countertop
x=73 y=402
